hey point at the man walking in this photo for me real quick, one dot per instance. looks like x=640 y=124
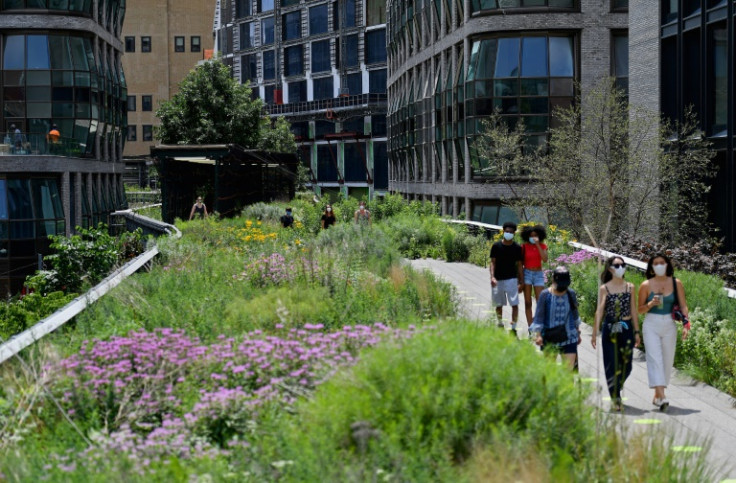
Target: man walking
x=506 y=274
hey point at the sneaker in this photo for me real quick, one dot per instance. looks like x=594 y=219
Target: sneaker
x=664 y=404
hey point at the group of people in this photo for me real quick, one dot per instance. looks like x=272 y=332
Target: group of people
x=18 y=141
x=361 y=216
x=556 y=322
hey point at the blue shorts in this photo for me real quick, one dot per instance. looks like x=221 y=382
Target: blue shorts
x=534 y=278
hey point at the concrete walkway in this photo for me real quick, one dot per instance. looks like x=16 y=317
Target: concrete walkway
x=697 y=411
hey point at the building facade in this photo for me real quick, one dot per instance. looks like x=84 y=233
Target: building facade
x=322 y=65
x=163 y=42
x=452 y=62
x=63 y=115
x=683 y=55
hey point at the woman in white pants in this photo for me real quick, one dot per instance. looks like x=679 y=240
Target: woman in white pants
x=656 y=299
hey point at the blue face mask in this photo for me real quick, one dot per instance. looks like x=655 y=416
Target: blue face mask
x=288 y=213
x=508 y=236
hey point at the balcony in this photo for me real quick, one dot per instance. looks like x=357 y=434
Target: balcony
x=36 y=144
x=332 y=109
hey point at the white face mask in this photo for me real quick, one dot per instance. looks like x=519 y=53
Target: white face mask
x=533 y=239
x=329 y=209
x=660 y=270
x=508 y=236
x=619 y=272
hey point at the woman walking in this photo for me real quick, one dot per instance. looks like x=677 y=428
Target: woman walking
x=328 y=218
x=620 y=333
x=657 y=297
x=534 y=254
x=199 y=209
x=557 y=321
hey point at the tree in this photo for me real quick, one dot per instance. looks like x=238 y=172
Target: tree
x=611 y=167
x=211 y=108
x=277 y=138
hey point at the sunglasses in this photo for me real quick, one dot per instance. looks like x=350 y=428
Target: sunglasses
x=618 y=265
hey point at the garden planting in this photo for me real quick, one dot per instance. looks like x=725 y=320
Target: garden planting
x=250 y=352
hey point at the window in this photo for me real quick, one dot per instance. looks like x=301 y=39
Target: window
x=375 y=12
x=321 y=56
x=318 y=19
x=130 y=44
x=267 y=31
x=131 y=103
x=354 y=84
x=375 y=46
x=620 y=64
x=179 y=44
x=717 y=91
x=147 y=132
x=669 y=10
x=195 y=43
x=292 y=25
x=145 y=44
x=377 y=81
x=132 y=133
x=265 y=5
x=480 y=5
x=293 y=60
x=322 y=88
x=248 y=68
x=269 y=65
x=248 y=35
x=298 y=91
x=351 y=51
x=146 y=103
x=619 y=5
x=268 y=94
x=243 y=8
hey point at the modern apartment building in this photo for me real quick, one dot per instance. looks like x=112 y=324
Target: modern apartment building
x=683 y=54
x=451 y=63
x=322 y=65
x=163 y=41
x=63 y=114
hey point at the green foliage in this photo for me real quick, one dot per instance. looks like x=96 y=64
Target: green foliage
x=20 y=314
x=211 y=108
x=277 y=136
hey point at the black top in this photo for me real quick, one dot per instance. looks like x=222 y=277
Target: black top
x=506 y=257
x=199 y=210
x=329 y=220
x=287 y=221
x=618 y=305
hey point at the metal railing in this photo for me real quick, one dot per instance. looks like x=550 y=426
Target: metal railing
x=27 y=144
x=335 y=104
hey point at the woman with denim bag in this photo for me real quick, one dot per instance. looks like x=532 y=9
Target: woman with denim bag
x=620 y=333
x=557 y=321
x=658 y=295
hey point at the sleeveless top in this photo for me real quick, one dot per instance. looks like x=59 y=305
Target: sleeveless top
x=666 y=308
x=199 y=210
x=618 y=305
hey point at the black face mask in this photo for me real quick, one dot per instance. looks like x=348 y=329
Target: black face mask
x=562 y=285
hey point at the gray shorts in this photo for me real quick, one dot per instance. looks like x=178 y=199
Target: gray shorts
x=506 y=290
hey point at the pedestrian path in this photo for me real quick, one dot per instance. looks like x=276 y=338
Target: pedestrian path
x=697 y=411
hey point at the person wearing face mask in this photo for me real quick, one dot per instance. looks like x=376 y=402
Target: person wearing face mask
x=287 y=220
x=557 y=320
x=656 y=299
x=506 y=275
x=534 y=254
x=362 y=215
x=328 y=218
x=620 y=334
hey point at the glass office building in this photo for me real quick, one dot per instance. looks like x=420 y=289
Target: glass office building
x=63 y=114
x=452 y=63
x=322 y=65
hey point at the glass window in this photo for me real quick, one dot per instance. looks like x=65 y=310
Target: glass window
x=377 y=81
x=267 y=31
x=321 y=56
x=248 y=35
x=293 y=60
x=375 y=12
x=351 y=51
x=269 y=64
x=268 y=94
x=326 y=164
x=37 y=52
x=146 y=103
x=195 y=43
x=292 y=25
x=378 y=125
x=243 y=8
x=506 y=59
x=718 y=93
x=618 y=5
x=349 y=13
x=322 y=88
x=534 y=57
x=621 y=60
x=318 y=19
x=131 y=103
x=375 y=46
x=669 y=10
x=561 y=57
x=355 y=84
x=130 y=44
x=147 y=132
x=179 y=44
x=298 y=91
x=265 y=5
x=3 y=202
x=145 y=44
x=14 y=53
x=249 y=68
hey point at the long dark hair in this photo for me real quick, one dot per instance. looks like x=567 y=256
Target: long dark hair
x=331 y=213
x=527 y=230
x=606 y=275
x=650 y=265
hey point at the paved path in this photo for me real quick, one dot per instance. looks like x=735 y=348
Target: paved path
x=696 y=408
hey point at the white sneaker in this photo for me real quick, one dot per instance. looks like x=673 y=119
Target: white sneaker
x=664 y=404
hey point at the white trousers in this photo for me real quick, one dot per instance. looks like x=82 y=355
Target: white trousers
x=660 y=340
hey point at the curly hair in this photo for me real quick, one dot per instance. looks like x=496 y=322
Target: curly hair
x=527 y=231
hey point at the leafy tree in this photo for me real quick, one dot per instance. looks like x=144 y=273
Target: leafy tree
x=211 y=108
x=278 y=137
x=609 y=167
